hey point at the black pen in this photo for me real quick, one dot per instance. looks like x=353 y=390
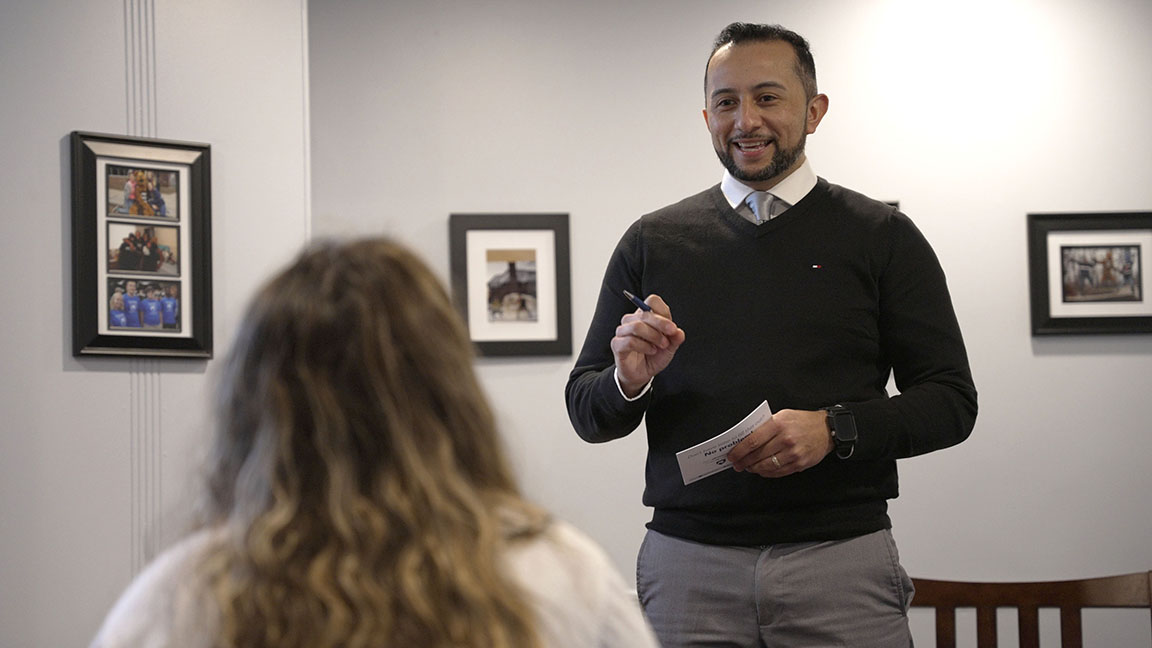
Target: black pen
x=639 y=302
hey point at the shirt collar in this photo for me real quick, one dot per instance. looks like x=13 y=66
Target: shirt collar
x=791 y=189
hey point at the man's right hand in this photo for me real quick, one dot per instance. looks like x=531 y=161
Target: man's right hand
x=644 y=345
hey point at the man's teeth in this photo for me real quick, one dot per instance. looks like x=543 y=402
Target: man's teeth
x=751 y=146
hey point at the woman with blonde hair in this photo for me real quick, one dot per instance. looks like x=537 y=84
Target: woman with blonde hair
x=358 y=494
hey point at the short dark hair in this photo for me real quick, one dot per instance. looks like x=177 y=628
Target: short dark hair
x=739 y=32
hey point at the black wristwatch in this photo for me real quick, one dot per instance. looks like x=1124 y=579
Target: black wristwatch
x=842 y=426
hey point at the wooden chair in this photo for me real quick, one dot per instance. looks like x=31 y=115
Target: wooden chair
x=1127 y=591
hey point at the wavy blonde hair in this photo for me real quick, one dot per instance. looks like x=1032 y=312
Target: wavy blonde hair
x=357 y=471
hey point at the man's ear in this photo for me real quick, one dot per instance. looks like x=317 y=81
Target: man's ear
x=817 y=108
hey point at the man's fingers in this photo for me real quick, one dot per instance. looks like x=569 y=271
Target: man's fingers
x=639 y=328
x=632 y=344
x=658 y=306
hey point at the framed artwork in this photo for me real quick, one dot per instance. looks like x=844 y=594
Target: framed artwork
x=141 y=247
x=1088 y=272
x=511 y=282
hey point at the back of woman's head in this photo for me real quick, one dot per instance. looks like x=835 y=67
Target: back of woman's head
x=358 y=467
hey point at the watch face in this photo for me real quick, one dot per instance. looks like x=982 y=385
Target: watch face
x=844 y=434
x=845 y=426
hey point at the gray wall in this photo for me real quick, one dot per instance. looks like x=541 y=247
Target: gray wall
x=96 y=454
x=970 y=114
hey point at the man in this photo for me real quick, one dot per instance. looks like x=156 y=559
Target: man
x=151 y=316
x=170 y=307
x=151 y=260
x=132 y=305
x=129 y=254
x=808 y=301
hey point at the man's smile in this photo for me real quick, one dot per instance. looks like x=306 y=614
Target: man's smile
x=751 y=147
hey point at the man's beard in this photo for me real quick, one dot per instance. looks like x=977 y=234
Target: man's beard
x=782 y=160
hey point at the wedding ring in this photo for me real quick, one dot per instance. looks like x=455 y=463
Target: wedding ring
x=775 y=461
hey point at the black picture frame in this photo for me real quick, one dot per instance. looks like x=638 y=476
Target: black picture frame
x=1088 y=273
x=513 y=310
x=141 y=247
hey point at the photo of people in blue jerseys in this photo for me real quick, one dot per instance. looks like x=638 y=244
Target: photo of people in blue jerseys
x=142 y=306
x=143 y=248
x=149 y=193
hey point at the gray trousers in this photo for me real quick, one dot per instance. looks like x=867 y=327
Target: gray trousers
x=842 y=593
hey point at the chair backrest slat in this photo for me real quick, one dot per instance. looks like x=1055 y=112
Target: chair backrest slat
x=1029 y=618
x=1071 y=631
x=945 y=627
x=985 y=626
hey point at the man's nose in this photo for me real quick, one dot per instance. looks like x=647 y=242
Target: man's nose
x=747 y=116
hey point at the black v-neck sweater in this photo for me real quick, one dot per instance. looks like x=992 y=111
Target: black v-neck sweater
x=814 y=308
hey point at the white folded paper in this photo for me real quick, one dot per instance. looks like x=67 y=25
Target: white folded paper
x=711 y=456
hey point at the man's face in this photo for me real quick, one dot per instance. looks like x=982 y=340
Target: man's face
x=131 y=287
x=757 y=111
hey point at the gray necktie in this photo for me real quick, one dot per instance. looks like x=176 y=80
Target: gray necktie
x=758 y=201
x=765 y=206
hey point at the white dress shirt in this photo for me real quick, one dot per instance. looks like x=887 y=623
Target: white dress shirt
x=790 y=190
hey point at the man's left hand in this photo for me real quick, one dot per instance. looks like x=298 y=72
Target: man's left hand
x=789 y=442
